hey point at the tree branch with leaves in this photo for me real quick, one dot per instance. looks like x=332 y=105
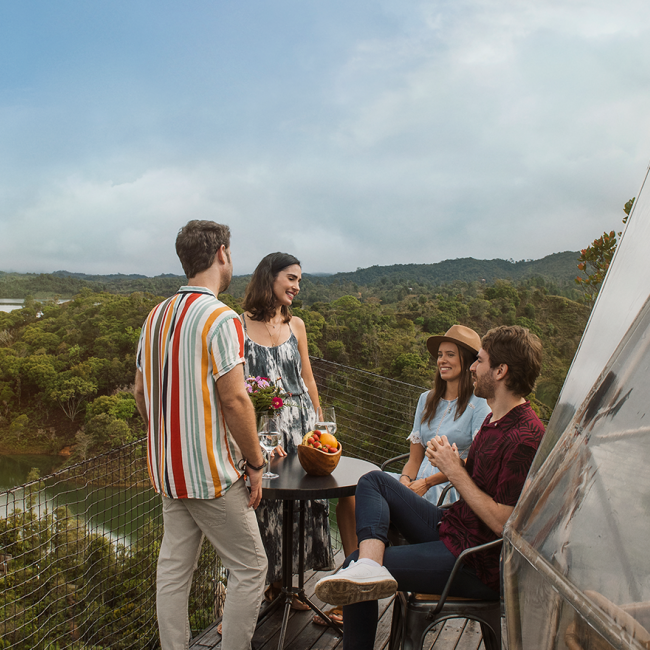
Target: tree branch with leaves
x=594 y=260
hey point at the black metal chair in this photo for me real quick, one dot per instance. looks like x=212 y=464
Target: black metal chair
x=390 y=461
x=414 y=615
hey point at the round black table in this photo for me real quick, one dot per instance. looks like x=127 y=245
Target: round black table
x=293 y=484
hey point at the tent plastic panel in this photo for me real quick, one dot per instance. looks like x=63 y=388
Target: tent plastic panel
x=576 y=558
x=624 y=291
x=582 y=525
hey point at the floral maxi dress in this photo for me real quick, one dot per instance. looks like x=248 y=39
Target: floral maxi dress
x=281 y=364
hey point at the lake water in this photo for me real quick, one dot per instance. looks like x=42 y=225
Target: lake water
x=9 y=304
x=15 y=468
x=114 y=512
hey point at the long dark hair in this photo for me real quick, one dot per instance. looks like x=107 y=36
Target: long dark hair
x=465 y=387
x=259 y=300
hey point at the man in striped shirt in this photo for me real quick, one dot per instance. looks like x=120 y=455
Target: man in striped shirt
x=190 y=390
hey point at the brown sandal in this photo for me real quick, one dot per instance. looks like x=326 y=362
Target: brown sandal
x=298 y=606
x=335 y=613
x=272 y=592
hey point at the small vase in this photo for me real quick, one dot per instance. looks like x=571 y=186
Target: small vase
x=258 y=417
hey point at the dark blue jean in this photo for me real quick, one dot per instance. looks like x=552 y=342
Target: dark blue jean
x=422 y=566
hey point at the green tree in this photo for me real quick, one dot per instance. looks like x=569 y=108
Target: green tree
x=70 y=392
x=410 y=367
x=594 y=260
x=107 y=433
x=55 y=358
x=120 y=406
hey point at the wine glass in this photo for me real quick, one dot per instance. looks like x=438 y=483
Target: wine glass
x=269 y=436
x=326 y=419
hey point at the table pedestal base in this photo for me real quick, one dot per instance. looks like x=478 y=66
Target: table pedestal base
x=288 y=590
x=294 y=484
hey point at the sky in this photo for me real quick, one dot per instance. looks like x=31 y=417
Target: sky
x=348 y=134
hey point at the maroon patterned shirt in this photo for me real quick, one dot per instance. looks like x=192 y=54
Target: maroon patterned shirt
x=498 y=462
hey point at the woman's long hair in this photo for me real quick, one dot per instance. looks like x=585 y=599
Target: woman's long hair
x=259 y=300
x=465 y=387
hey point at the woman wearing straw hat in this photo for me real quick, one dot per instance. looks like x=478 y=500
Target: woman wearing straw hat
x=450 y=408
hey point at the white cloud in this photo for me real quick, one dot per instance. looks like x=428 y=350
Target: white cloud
x=462 y=128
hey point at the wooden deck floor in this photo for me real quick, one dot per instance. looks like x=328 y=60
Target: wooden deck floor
x=302 y=634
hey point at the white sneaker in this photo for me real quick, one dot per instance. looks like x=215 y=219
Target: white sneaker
x=355 y=584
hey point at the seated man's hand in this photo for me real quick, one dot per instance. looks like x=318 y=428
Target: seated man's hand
x=444 y=456
x=419 y=486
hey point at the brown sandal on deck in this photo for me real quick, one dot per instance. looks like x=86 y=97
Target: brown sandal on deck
x=273 y=591
x=335 y=613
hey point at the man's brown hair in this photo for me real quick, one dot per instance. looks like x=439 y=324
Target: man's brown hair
x=520 y=350
x=197 y=244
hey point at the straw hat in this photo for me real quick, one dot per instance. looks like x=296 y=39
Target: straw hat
x=458 y=334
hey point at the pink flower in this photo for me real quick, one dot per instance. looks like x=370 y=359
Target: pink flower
x=249 y=388
x=277 y=403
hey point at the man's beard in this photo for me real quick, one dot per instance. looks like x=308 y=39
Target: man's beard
x=225 y=280
x=484 y=387
x=226 y=275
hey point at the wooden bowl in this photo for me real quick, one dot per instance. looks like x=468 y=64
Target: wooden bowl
x=316 y=462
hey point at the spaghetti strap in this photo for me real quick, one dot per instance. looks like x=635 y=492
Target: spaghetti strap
x=243 y=320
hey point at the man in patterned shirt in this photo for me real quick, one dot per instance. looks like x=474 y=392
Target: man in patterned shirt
x=489 y=484
x=190 y=390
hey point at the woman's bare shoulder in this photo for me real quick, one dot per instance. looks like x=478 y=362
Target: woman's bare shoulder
x=299 y=330
x=297 y=321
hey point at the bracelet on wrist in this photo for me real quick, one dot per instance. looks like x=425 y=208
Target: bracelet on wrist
x=249 y=464
x=407 y=476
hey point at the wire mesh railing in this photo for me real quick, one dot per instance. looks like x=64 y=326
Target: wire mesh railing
x=78 y=553
x=78 y=548
x=374 y=414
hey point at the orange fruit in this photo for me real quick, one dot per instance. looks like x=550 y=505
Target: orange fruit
x=329 y=440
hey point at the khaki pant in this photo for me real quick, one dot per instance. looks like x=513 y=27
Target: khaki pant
x=230 y=526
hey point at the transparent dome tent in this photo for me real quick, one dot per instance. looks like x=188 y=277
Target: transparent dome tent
x=577 y=547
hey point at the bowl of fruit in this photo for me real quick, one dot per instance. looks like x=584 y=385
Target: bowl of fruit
x=319 y=453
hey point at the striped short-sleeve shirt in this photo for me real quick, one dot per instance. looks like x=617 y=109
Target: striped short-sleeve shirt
x=186 y=344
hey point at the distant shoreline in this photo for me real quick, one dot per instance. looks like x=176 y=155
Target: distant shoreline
x=8 y=305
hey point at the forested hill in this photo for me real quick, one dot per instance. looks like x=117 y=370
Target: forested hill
x=388 y=283
x=66 y=284
x=559 y=268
